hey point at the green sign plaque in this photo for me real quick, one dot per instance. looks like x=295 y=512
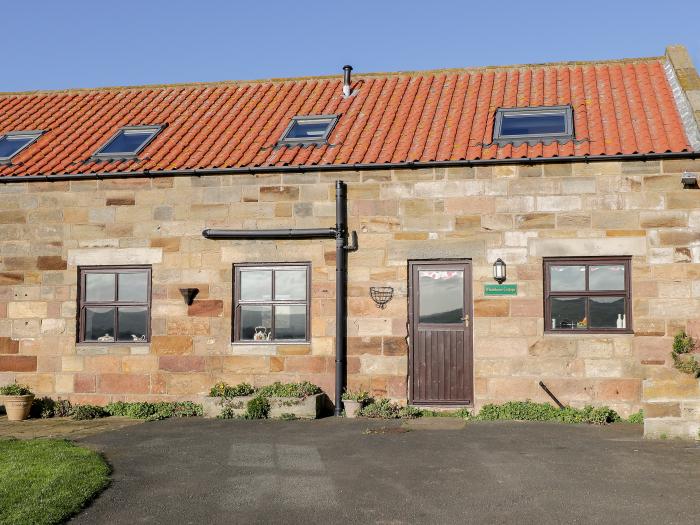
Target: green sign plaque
x=500 y=289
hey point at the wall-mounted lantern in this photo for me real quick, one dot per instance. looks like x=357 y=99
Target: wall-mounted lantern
x=499 y=271
x=189 y=294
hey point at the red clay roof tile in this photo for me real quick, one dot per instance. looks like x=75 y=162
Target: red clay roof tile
x=621 y=107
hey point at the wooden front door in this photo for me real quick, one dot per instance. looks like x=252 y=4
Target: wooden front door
x=440 y=359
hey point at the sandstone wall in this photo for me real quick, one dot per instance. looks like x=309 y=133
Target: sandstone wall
x=517 y=213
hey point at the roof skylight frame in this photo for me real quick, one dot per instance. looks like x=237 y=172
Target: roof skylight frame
x=533 y=138
x=33 y=135
x=332 y=120
x=154 y=129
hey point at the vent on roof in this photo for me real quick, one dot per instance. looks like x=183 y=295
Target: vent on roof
x=12 y=142
x=309 y=129
x=533 y=124
x=128 y=141
x=347 y=82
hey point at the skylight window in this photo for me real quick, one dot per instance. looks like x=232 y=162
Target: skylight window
x=309 y=129
x=128 y=141
x=533 y=124
x=12 y=142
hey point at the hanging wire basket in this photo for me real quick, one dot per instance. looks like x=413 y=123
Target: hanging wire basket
x=381 y=295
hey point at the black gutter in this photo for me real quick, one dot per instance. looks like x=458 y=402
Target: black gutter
x=340 y=234
x=346 y=167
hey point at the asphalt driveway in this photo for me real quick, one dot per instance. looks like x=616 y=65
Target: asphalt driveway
x=344 y=471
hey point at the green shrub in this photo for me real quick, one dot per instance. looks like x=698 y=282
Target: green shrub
x=83 y=412
x=257 y=408
x=529 y=411
x=221 y=389
x=154 y=411
x=637 y=418
x=462 y=413
x=42 y=407
x=15 y=389
x=277 y=389
x=46 y=407
x=409 y=412
x=288 y=417
x=299 y=390
x=383 y=408
x=683 y=345
x=361 y=396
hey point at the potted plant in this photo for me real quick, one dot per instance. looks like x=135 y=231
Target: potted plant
x=17 y=400
x=353 y=401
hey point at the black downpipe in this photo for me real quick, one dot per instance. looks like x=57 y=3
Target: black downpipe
x=341 y=276
x=340 y=234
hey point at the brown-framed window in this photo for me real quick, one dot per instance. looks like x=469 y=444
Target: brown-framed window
x=587 y=294
x=271 y=302
x=114 y=304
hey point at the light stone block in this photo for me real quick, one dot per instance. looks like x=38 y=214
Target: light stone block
x=114 y=256
x=583 y=247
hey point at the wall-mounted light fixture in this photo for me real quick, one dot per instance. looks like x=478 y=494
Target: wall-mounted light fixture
x=499 y=271
x=689 y=180
x=189 y=294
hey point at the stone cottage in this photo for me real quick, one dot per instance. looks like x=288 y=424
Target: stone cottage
x=517 y=227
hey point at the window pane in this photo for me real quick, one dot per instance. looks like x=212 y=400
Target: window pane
x=568 y=313
x=606 y=277
x=290 y=284
x=605 y=311
x=99 y=287
x=567 y=278
x=11 y=145
x=128 y=142
x=256 y=323
x=99 y=324
x=256 y=285
x=441 y=296
x=290 y=321
x=133 y=323
x=542 y=124
x=313 y=129
x=133 y=287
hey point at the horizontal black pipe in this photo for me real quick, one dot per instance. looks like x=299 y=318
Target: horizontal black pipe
x=252 y=170
x=312 y=233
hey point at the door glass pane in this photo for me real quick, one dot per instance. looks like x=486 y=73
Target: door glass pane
x=256 y=323
x=99 y=287
x=567 y=278
x=606 y=311
x=568 y=313
x=133 y=323
x=290 y=321
x=606 y=277
x=133 y=287
x=256 y=285
x=290 y=285
x=440 y=296
x=99 y=324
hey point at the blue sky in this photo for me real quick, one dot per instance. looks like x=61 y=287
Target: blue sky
x=49 y=44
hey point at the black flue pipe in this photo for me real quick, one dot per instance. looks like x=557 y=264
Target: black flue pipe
x=312 y=233
x=340 y=234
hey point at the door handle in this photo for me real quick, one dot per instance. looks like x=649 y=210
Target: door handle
x=466 y=320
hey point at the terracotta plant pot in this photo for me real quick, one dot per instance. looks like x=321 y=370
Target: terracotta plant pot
x=351 y=408
x=17 y=407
